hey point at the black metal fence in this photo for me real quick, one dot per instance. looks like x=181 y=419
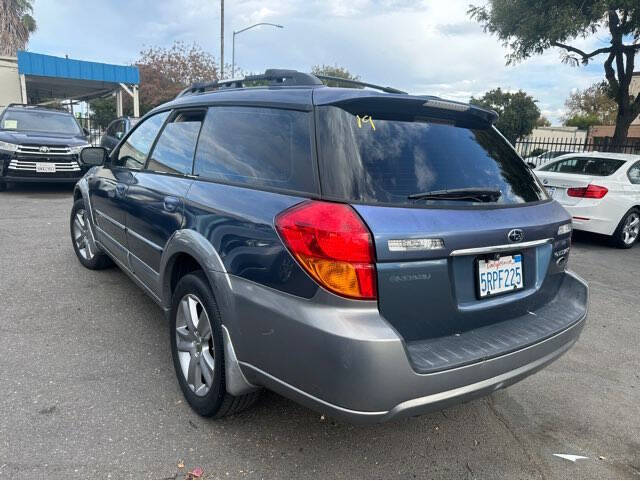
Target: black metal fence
x=93 y=127
x=539 y=151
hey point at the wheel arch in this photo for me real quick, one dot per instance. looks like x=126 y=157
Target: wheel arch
x=616 y=233
x=185 y=252
x=188 y=251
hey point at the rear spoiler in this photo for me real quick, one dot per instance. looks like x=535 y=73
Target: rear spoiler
x=490 y=116
x=409 y=105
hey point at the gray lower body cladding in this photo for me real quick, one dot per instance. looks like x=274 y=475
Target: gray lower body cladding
x=342 y=358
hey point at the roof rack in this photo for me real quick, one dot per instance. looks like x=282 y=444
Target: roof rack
x=389 y=90
x=35 y=106
x=275 y=77
x=278 y=77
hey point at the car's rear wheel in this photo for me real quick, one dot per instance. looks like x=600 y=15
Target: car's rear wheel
x=628 y=231
x=198 y=349
x=88 y=255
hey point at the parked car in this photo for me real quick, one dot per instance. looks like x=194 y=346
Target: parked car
x=39 y=144
x=116 y=130
x=368 y=254
x=538 y=160
x=600 y=190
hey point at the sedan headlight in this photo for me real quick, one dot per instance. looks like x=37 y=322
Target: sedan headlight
x=7 y=146
x=565 y=229
x=78 y=148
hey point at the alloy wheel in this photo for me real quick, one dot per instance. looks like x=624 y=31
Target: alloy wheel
x=81 y=234
x=631 y=228
x=194 y=341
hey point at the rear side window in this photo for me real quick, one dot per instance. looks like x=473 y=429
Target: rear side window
x=258 y=147
x=386 y=158
x=634 y=174
x=176 y=146
x=134 y=151
x=585 y=166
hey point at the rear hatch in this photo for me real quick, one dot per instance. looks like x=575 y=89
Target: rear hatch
x=393 y=159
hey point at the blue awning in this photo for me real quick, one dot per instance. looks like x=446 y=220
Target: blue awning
x=37 y=64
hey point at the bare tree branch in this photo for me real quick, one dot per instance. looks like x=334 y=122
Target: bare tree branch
x=585 y=56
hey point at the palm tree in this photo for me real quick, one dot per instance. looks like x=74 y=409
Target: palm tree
x=16 y=25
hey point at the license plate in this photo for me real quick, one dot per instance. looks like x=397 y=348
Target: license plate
x=497 y=276
x=45 y=167
x=551 y=191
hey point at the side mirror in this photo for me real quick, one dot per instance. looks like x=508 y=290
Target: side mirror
x=94 y=156
x=531 y=165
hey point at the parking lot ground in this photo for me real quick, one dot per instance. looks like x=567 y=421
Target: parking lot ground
x=87 y=388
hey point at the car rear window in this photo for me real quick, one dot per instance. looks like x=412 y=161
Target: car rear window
x=258 y=147
x=387 y=158
x=585 y=166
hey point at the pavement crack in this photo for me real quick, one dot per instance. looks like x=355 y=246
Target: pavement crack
x=514 y=434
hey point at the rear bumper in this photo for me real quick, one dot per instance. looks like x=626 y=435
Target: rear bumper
x=591 y=216
x=349 y=363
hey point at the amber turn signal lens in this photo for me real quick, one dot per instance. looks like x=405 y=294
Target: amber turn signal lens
x=333 y=245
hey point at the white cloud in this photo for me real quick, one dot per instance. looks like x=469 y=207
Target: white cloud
x=423 y=46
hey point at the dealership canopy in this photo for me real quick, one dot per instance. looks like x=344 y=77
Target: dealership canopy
x=45 y=78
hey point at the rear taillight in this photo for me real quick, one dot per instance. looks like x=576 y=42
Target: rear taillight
x=333 y=245
x=589 y=192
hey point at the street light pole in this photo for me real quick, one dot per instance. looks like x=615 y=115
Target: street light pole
x=233 y=49
x=221 y=39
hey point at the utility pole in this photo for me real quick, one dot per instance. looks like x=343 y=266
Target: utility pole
x=221 y=39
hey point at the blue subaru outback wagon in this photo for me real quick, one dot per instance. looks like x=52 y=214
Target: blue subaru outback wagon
x=368 y=253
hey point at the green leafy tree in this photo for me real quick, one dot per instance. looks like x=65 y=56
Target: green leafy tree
x=335 y=71
x=530 y=27
x=104 y=110
x=594 y=103
x=582 y=121
x=518 y=112
x=16 y=25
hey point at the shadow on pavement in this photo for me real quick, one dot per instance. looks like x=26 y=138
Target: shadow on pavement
x=590 y=239
x=36 y=189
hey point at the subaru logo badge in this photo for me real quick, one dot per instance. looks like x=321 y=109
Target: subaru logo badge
x=515 y=235
x=44 y=149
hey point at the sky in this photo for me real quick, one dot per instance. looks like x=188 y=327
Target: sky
x=421 y=46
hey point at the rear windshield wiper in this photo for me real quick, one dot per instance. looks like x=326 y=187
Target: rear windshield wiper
x=479 y=195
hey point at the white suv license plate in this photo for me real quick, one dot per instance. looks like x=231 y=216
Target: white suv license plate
x=44 y=167
x=500 y=275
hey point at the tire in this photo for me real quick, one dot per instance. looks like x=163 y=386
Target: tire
x=628 y=230
x=78 y=224
x=199 y=363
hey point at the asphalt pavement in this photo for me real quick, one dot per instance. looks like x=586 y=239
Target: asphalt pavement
x=87 y=388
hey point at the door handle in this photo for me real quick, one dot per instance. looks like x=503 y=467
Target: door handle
x=121 y=190
x=171 y=203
